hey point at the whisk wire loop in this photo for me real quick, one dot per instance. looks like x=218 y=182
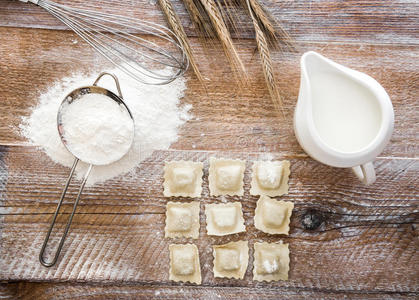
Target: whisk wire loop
x=117 y=39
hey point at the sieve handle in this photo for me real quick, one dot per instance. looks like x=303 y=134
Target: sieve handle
x=114 y=78
x=60 y=246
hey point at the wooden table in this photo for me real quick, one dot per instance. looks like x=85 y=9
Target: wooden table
x=367 y=243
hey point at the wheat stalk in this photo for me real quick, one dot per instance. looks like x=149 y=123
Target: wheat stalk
x=268 y=22
x=225 y=38
x=226 y=9
x=176 y=25
x=266 y=60
x=262 y=16
x=197 y=14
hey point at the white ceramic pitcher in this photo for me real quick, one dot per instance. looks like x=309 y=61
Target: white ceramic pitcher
x=343 y=118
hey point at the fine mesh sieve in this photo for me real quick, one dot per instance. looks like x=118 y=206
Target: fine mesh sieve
x=68 y=100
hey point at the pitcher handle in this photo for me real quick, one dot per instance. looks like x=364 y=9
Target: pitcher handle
x=365 y=173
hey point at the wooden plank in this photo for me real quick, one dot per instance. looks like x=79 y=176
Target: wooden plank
x=226 y=118
x=380 y=21
x=8 y=291
x=117 y=235
x=33 y=179
x=131 y=249
x=40 y=291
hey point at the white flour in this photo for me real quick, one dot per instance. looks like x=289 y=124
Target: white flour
x=97 y=129
x=155 y=109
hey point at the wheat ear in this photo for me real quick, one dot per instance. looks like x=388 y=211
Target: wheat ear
x=266 y=60
x=225 y=38
x=176 y=25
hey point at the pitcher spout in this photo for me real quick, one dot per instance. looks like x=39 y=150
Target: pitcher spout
x=311 y=63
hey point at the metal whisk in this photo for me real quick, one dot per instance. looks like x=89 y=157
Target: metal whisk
x=117 y=39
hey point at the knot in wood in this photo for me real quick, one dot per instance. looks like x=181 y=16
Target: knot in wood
x=312 y=219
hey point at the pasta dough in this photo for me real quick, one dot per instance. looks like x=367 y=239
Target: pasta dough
x=224 y=219
x=182 y=220
x=270 y=178
x=184 y=263
x=182 y=179
x=231 y=260
x=272 y=216
x=226 y=176
x=271 y=261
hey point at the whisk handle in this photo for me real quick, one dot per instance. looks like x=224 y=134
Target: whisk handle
x=60 y=246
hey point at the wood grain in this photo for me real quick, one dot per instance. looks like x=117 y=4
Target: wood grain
x=131 y=249
x=34 y=180
x=43 y=291
x=363 y=242
x=377 y=22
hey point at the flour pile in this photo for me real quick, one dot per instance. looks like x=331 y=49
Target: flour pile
x=156 y=111
x=97 y=129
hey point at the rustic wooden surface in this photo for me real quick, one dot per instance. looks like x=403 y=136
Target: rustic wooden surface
x=367 y=244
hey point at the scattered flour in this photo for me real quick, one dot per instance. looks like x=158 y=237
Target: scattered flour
x=270 y=267
x=156 y=111
x=267 y=173
x=266 y=156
